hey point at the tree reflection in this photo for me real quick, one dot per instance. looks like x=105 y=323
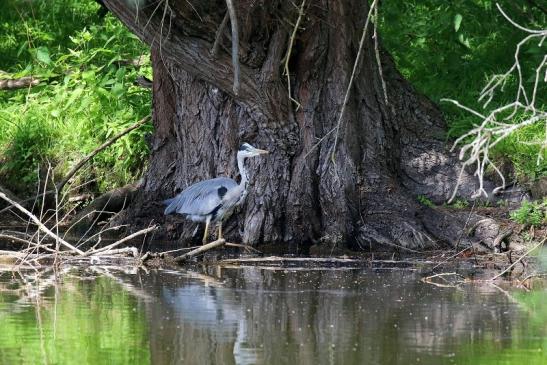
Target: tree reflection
x=249 y=316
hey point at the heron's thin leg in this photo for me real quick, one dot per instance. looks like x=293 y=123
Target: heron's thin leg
x=206 y=230
x=220 y=231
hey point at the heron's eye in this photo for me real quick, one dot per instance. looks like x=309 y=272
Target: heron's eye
x=244 y=147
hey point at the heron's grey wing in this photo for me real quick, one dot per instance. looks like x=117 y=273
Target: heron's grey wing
x=201 y=198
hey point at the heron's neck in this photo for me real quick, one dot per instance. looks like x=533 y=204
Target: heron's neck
x=242 y=171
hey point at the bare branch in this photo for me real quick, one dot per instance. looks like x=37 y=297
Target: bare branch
x=40 y=225
x=289 y=50
x=499 y=123
x=200 y=249
x=119 y=242
x=235 y=44
x=220 y=32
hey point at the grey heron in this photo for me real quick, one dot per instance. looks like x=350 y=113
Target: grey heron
x=213 y=200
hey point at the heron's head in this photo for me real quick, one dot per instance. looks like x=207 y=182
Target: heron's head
x=246 y=150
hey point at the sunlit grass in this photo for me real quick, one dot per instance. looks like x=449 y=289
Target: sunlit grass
x=86 y=96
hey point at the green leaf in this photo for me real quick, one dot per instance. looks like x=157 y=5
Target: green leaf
x=88 y=76
x=42 y=54
x=464 y=41
x=117 y=90
x=457 y=22
x=22 y=48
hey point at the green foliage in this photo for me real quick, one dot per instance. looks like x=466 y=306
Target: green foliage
x=87 y=94
x=424 y=200
x=450 y=49
x=531 y=213
x=31 y=143
x=460 y=204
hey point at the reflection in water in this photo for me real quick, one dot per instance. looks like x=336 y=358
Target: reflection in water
x=253 y=316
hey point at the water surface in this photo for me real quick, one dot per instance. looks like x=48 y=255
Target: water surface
x=257 y=316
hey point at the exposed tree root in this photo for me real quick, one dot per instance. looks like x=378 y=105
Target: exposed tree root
x=520 y=259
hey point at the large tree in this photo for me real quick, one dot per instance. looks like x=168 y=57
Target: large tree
x=355 y=184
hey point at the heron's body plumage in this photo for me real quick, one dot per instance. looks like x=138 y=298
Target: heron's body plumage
x=213 y=200
x=206 y=198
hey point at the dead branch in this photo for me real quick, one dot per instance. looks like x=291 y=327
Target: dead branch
x=278 y=260
x=108 y=143
x=378 y=59
x=447 y=283
x=108 y=203
x=26 y=241
x=245 y=247
x=11 y=84
x=289 y=50
x=201 y=249
x=109 y=248
x=8 y=194
x=132 y=250
x=144 y=81
x=235 y=44
x=218 y=36
x=42 y=227
x=499 y=123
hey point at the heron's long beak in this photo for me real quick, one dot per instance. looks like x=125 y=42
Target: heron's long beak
x=261 y=152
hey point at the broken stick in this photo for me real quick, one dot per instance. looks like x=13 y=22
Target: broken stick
x=197 y=251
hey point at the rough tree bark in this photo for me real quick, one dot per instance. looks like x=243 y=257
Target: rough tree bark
x=387 y=153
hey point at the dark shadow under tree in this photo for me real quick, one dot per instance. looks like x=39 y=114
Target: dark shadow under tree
x=361 y=191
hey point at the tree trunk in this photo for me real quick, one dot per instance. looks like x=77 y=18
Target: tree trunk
x=361 y=191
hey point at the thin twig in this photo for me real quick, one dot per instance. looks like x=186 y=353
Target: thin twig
x=289 y=50
x=28 y=242
x=245 y=247
x=378 y=59
x=218 y=36
x=119 y=242
x=40 y=225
